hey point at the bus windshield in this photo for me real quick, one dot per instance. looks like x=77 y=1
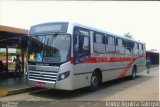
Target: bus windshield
x=49 y=48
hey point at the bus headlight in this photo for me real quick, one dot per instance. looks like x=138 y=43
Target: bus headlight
x=63 y=75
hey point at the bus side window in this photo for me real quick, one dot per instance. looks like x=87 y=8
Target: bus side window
x=81 y=45
x=140 y=52
x=85 y=45
x=144 y=48
x=119 y=46
x=141 y=49
x=129 y=47
x=99 y=43
x=106 y=40
x=123 y=43
x=135 y=48
x=110 y=44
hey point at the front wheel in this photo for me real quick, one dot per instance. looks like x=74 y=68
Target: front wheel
x=95 y=81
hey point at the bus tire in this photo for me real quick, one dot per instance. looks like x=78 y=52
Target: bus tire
x=95 y=81
x=134 y=73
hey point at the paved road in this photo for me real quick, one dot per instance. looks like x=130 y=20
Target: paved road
x=144 y=88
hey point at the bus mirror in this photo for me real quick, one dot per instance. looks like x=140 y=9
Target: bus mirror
x=23 y=42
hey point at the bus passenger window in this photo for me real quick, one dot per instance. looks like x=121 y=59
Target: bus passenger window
x=123 y=43
x=99 y=43
x=81 y=45
x=119 y=46
x=86 y=45
x=106 y=39
x=135 y=49
x=116 y=42
x=137 y=46
x=76 y=40
x=141 y=49
x=110 y=46
x=110 y=40
x=129 y=47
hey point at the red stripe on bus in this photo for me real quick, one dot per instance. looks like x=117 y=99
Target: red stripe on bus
x=112 y=59
x=125 y=71
x=105 y=59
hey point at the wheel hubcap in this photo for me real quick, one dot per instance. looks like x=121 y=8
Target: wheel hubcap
x=134 y=74
x=94 y=81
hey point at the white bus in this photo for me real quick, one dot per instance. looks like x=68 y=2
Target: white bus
x=68 y=56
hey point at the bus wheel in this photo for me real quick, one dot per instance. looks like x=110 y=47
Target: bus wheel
x=95 y=81
x=134 y=73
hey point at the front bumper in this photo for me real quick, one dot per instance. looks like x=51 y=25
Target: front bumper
x=47 y=84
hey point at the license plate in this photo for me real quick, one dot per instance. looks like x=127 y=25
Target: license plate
x=40 y=84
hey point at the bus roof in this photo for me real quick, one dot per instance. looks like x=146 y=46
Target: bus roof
x=106 y=32
x=93 y=29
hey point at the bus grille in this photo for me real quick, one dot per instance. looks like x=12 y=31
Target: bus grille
x=49 y=76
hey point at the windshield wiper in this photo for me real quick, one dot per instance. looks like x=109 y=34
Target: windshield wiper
x=52 y=38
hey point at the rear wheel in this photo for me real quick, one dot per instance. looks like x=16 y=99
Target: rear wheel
x=134 y=73
x=95 y=81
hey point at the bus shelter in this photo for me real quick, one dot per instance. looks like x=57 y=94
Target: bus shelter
x=10 y=37
x=153 y=57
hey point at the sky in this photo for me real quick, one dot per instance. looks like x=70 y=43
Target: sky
x=141 y=19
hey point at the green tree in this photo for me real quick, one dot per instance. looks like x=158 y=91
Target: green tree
x=128 y=35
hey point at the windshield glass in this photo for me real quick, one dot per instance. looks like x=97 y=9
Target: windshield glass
x=49 y=48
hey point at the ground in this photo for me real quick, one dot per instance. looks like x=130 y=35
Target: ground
x=144 y=88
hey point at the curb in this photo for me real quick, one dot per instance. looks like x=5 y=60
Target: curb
x=21 y=90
